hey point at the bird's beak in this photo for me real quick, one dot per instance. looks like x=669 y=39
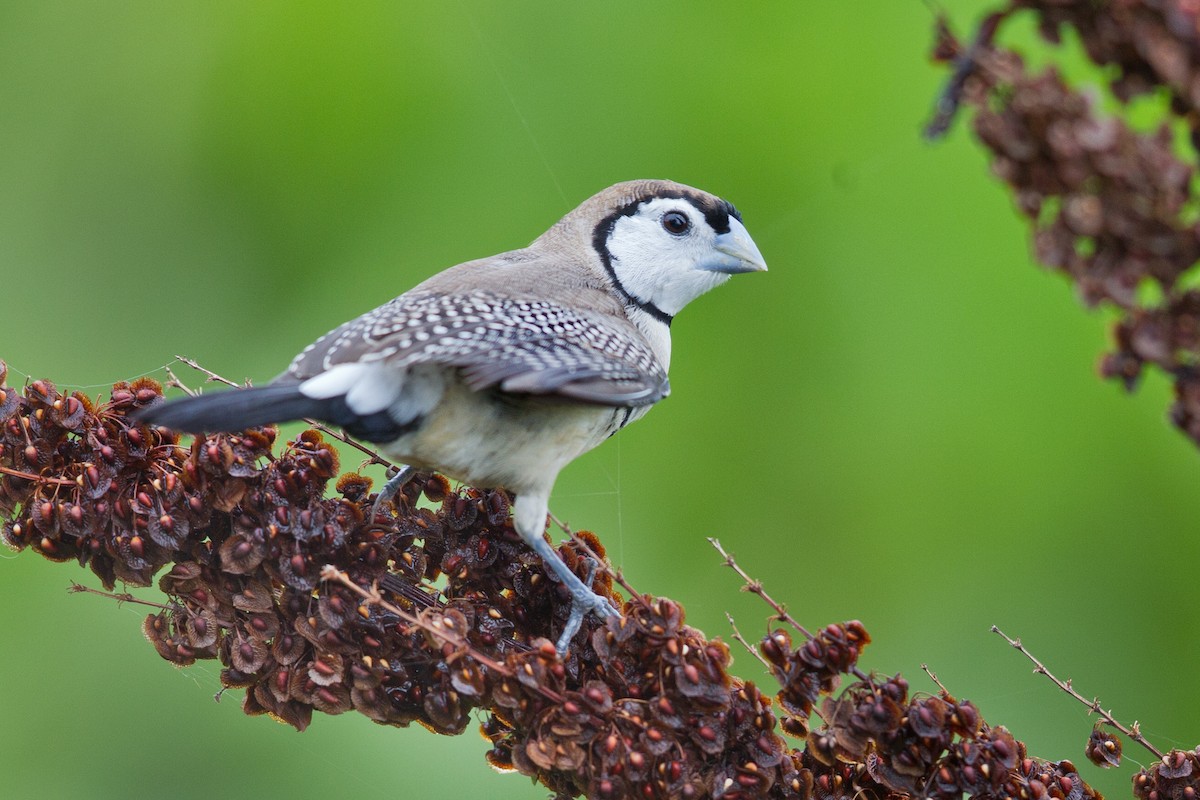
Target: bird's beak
x=736 y=252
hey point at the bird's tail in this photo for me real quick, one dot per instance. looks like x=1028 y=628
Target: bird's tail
x=239 y=409
x=234 y=410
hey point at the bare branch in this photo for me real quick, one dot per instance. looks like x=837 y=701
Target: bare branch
x=754 y=587
x=1093 y=705
x=933 y=677
x=737 y=635
x=120 y=597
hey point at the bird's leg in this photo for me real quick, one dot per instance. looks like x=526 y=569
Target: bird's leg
x=529 y=517
x=583 y=599
x=391 y=488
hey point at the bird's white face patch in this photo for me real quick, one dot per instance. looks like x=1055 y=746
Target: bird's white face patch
x=658 y=253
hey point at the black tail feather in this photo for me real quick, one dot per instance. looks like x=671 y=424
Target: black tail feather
x=239 y=409
x=234 y=410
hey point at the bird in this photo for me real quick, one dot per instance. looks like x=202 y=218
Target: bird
x=500 y=371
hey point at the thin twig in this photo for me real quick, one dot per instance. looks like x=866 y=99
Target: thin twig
x=173 y=380
x=737 y=636
x=212 y=376
x=933 y=677
x=754 y=587
x=615 y=574
x=121 y=598
x=1133 y=731
x=372 y=456
x=373 y=597
x=29 y=476
x=332 y=573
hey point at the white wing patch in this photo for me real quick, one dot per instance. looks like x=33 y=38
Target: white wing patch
x=377 y=388
x=334 y=382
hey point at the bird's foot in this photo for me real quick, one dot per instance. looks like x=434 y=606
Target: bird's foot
x=391 y=488
x=529 y=517
x=583 y=601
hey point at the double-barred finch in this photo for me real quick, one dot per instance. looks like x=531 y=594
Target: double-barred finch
x=500 y=371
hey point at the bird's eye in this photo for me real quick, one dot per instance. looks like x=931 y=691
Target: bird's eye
x=676 y=223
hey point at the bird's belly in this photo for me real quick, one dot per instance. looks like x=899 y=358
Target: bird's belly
x=520 y=443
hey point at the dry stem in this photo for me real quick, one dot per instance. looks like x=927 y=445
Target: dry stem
x=781 y=613
x=755 y=587
x=615 y=574
x=122 y=597
x=737 y=636
x=29 y=476
x=933 y=677
x=1133 y=731
x=331 y=573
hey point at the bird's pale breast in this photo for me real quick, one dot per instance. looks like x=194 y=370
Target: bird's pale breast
x=518 y=442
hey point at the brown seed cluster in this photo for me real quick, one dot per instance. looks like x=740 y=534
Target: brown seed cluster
x=925 y=746
x=911 y=742
x=1111 y=207
x=655 y=714
x=813 y=669
x=84 y=483
x=1150 y=43
x=1175 y=777
x=439 y=610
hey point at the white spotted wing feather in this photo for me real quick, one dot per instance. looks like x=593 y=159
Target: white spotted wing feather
x=519 y=346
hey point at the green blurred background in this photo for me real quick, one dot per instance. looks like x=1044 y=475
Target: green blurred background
x=900 y=422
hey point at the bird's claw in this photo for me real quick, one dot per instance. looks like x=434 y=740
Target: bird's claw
x=583 y=601
x=391 y=489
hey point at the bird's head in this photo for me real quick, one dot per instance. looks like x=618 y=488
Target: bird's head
x=665 y=244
